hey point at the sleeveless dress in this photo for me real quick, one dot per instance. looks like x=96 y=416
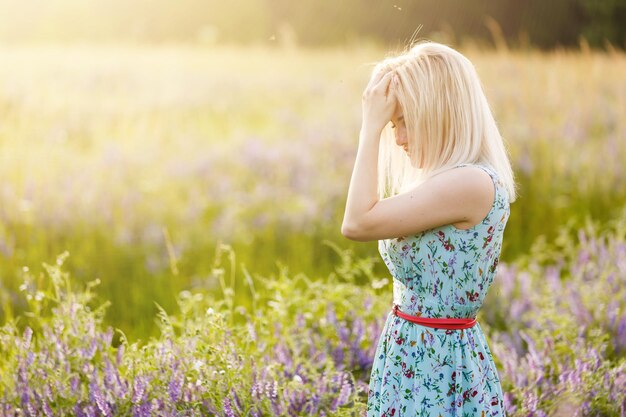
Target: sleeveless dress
x=441 y=272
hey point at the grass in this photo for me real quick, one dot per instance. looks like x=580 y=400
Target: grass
x=140 y=161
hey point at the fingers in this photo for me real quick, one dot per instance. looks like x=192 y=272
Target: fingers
x=385 y=83
x=380 y=82
x=376 y=77
x=379 y=98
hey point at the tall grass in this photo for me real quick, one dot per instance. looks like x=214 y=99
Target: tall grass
x=299 y=345
x=139 y=161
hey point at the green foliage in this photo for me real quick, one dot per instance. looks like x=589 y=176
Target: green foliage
x=308 y=344
x=140 y=177
x=605 y=22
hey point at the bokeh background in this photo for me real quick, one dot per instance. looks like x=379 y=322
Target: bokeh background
x=315 y=23
x=138 y=135
x=142 y=136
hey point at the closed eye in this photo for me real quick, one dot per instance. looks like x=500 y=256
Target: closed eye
x=400 y=119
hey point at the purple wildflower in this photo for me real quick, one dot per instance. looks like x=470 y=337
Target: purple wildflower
x=139 y=390
x=228 y=411
x=97 y=397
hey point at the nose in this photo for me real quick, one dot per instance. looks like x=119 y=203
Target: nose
x=401 y=139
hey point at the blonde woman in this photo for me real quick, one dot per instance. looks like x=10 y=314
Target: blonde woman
x=432 y=183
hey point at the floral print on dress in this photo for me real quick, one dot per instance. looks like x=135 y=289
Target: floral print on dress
x=442 y=272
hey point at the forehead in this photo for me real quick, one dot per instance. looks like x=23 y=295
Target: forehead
x=398 y=112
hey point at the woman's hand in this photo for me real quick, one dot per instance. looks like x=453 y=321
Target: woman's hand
x=379 y=101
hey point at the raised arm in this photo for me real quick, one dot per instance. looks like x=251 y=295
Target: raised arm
x=461 y=196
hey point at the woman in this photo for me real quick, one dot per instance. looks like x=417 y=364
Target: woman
x=437 y=202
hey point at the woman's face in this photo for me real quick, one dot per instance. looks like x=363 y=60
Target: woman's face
x=399 y=129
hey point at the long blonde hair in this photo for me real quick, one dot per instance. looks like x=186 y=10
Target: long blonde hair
x=448 y=120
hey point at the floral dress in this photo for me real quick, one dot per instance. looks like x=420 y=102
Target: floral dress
x=441 y=272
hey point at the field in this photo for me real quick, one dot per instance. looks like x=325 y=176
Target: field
x=204 y=187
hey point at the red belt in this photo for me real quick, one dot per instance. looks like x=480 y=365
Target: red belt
x=436 y=322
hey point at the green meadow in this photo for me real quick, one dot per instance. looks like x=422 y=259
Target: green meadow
x=141 y=161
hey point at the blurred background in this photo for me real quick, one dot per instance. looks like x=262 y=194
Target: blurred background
x=317 y=22
x=138 y=135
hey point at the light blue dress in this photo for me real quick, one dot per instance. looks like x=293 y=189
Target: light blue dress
x=442 y=272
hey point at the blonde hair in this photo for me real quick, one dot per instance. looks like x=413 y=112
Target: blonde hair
x=447 y=117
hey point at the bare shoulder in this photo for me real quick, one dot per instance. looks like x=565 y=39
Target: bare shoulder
x=462 y=196
x=468 y=176
x=471 y=189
